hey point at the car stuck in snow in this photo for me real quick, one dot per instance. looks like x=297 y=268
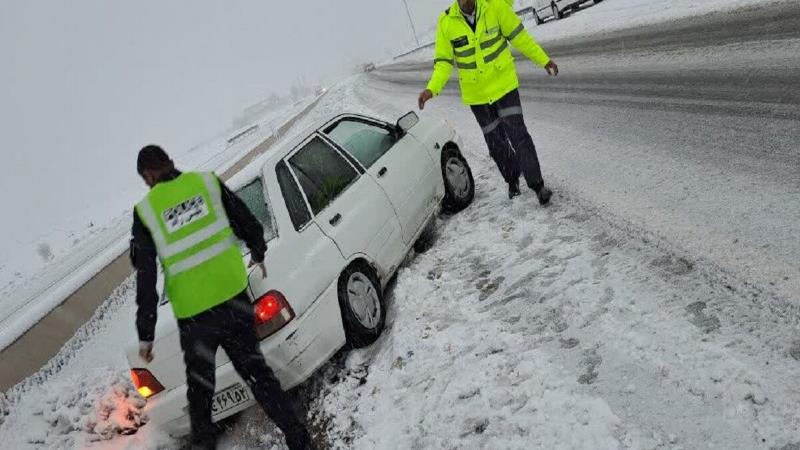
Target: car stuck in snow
x=341 y=206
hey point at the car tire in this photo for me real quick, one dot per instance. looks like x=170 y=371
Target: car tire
x=557 y=14
x=536 y=19
x=459 y=185
x=362 y=305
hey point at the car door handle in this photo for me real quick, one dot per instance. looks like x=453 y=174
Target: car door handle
x=382 y=172
x=335 y=220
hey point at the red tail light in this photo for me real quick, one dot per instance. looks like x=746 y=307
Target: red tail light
x=145 y=383
x=273 y=312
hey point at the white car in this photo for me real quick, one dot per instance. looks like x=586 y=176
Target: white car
x=555 y=8
x=341 y=207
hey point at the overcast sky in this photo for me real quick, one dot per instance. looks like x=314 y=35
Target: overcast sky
x=85 y=83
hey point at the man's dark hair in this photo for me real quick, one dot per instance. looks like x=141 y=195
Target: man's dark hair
x=152 y=157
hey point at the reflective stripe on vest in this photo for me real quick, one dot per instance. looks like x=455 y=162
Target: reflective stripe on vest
x=492 y=56
x=201 y=256
x=195 y=243
x=489 y=55
x=491 y=42
x=165 y=250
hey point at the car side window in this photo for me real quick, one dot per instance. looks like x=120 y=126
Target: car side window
x=253 y=196
x=323 y=173
x=365 y=141
x=298 y=211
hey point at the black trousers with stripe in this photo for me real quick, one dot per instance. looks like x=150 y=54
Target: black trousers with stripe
x=231 y=326
x=510 y=144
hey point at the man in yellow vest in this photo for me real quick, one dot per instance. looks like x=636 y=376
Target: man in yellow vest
x=190 y=221
x=474 y=35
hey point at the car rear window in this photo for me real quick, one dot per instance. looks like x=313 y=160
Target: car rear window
x=253 y=196
x=298 y=211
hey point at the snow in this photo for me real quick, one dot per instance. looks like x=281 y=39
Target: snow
x=32 y=288
x=615 y=15
x=521 y=327
x=643 y=346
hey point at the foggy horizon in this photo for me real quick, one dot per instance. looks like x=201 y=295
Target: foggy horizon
x=85 y=84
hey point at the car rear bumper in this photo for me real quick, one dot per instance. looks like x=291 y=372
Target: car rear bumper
x=293 y=353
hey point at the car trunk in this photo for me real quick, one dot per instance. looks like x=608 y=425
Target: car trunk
x=167 y=365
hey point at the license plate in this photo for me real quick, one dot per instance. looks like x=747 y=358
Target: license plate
x=229 y=398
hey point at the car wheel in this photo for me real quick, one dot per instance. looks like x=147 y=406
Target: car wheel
x=557 y=14
x=459 y=186
x=361 y=301
x=536 y=19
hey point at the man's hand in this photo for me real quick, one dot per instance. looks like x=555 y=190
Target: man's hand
x=424 y=96
x=260 y=265
x=146 y=351
x=551 y=68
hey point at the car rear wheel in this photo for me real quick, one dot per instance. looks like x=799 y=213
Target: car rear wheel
x=459 y=185
x=557 y=14
x=361 y=301
x=536 y=19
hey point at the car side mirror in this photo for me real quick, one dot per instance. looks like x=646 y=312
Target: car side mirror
x=407 y=122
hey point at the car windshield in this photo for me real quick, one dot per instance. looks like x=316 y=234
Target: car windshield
x=365 y=141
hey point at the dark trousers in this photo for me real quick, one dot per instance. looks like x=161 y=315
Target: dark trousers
x=510 y=144
x=231 y=326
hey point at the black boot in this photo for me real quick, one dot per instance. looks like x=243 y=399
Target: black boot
x=513 y=189
x=544 y=194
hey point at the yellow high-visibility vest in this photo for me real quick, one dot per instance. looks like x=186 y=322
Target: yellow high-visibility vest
x=202 y=260
x=486 y=70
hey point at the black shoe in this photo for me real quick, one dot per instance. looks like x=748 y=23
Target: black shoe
x=513 y=190
x=544 y=194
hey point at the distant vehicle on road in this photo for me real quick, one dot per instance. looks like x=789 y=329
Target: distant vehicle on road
x=543 y=9
x=369 y=67
x=341 y=208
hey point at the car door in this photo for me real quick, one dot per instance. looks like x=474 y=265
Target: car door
x=402 y=167
x=301 y=260
x=348 y=206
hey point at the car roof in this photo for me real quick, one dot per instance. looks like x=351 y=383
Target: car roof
x=278 y=151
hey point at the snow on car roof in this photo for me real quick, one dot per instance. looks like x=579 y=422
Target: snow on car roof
x=282 y=147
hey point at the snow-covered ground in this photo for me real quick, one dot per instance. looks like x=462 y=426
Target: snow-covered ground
x=47 y=268
x=521 y=327
x=613 y=15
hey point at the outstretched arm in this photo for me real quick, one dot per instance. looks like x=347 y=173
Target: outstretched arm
x=143 y=258
x=442 y=67
x=513 y=29
x=246 y=227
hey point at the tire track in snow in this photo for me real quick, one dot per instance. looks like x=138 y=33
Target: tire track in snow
x=623 y=319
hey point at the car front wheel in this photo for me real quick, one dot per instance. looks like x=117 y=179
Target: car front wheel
x=361 y=302
x=459 y=185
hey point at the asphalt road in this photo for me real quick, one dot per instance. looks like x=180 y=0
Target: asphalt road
x=687 y=131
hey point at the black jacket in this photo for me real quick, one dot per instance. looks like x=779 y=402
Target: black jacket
x=143 y=256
